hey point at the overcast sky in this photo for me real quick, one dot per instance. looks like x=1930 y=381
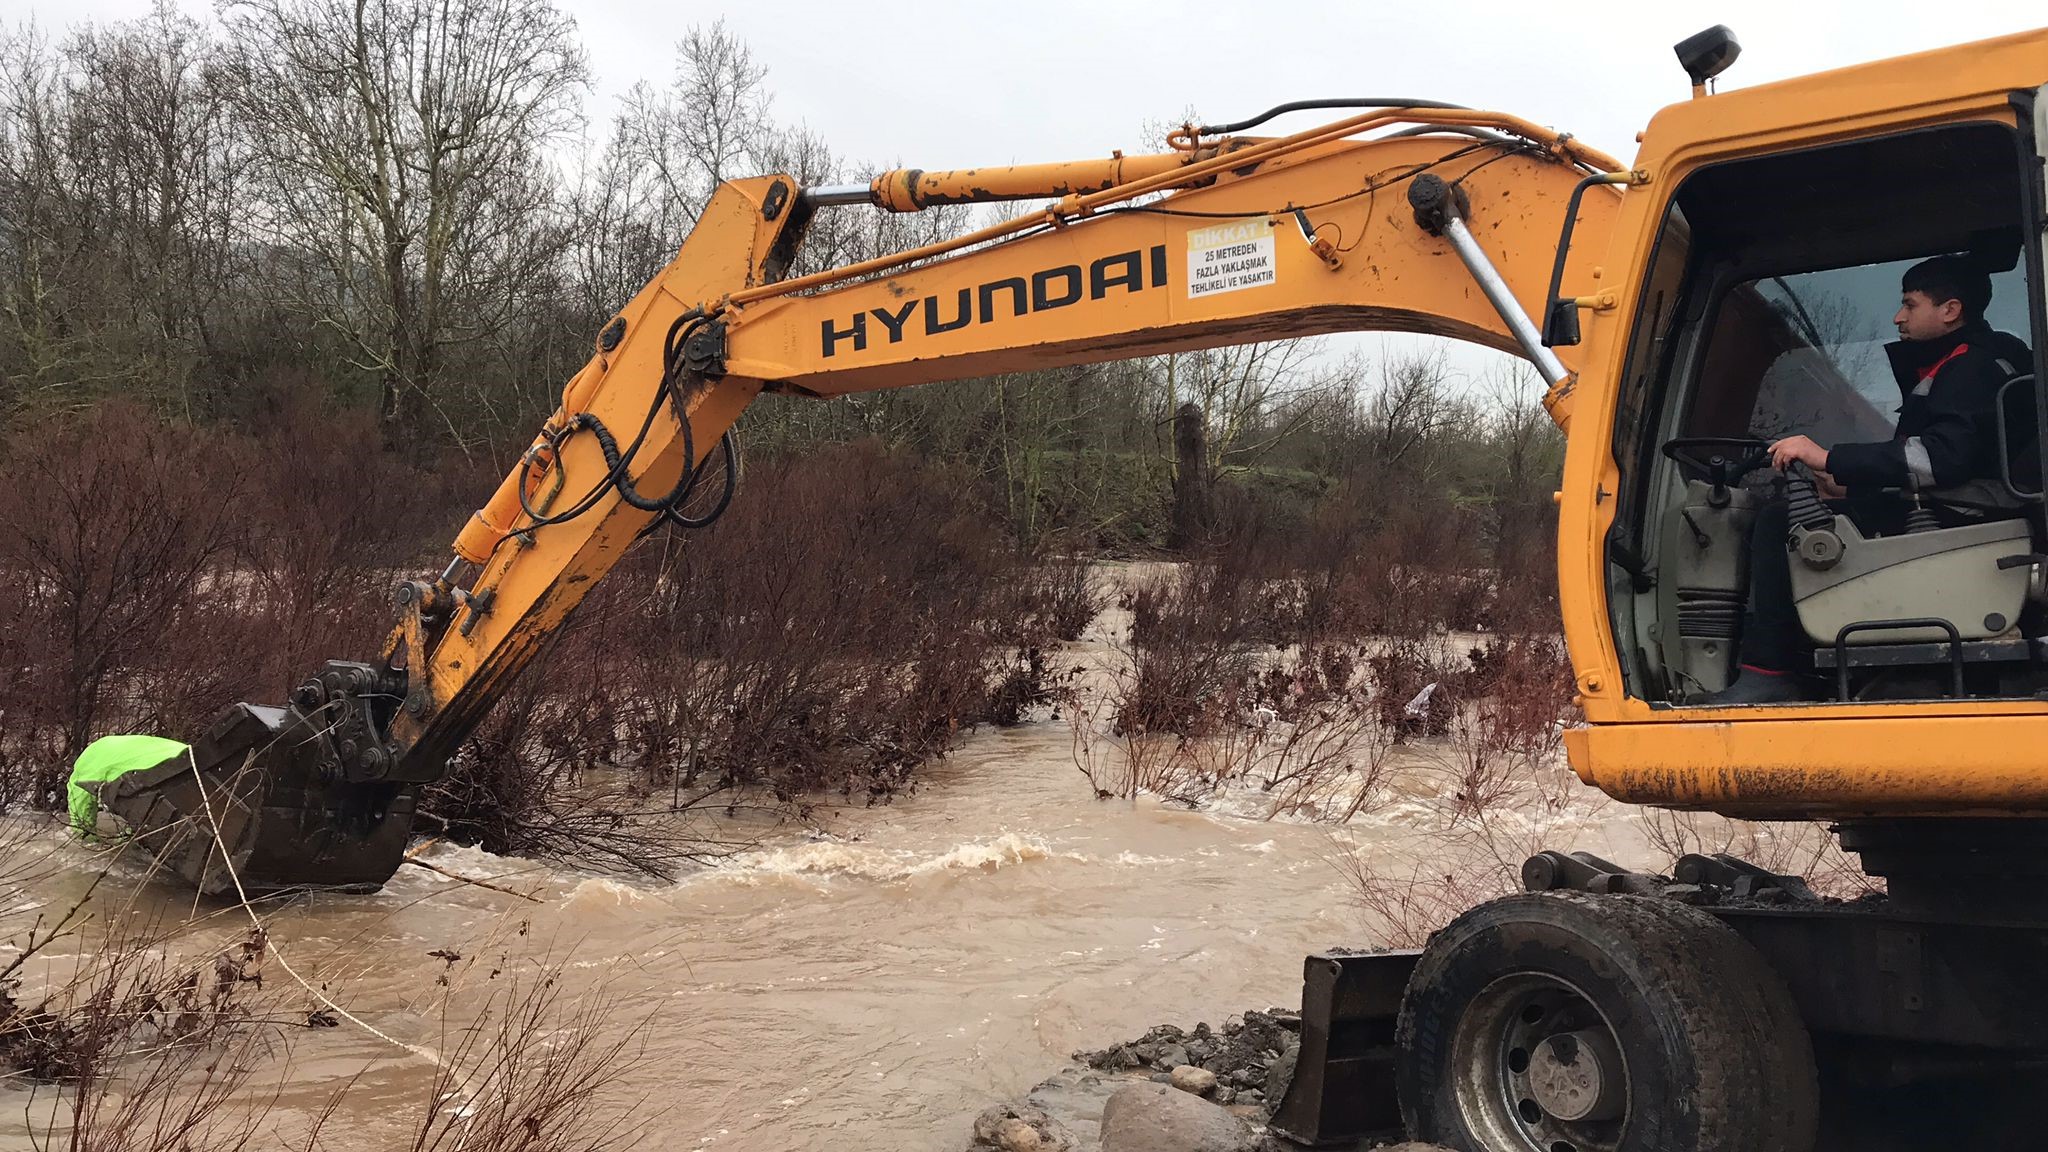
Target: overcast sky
x=945 y=85
x=948 y=85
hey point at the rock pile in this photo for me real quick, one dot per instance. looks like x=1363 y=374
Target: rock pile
x=1170 y=1090
x=1250 y=1059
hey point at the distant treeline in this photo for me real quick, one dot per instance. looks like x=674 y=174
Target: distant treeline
x=403 y=208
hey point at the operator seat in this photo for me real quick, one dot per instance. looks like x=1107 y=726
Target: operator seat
x=1949 y=589
x=1974 y=576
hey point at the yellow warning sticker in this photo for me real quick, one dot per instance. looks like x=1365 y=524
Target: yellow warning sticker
x=1229 y=257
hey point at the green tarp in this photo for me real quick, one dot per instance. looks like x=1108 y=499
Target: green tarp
x=108 y=758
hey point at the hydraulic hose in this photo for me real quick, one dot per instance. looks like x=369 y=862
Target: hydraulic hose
x=1236 y=126
x=619 y=462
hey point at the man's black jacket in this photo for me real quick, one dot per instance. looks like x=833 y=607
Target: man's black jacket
x=1948 y=423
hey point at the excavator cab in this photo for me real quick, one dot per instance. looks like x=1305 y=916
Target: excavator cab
x=1770 y=295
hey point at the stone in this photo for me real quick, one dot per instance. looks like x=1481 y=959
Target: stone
x=1157 y=1118
x=1020 y=1128
x=1280 y=1073
x=1172 y=1056
x=1225 y=1096
x=1189 y=1078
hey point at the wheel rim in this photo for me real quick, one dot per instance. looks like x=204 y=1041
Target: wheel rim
x=1539 y=1069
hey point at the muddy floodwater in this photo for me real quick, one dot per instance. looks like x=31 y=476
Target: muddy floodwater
x=868 y=983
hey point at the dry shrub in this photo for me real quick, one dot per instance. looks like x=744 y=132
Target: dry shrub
x=168 y=1098
x=1409 y=567
x=137 y=1042
x=1303 y=731
x=1192 y=629
x=528 y=1072
x=831 y=633
x=337 y=521
x=834 y=631
x=1368 y=565
x=131 y=1043
x=112 y=526
x=153 y=574
x=1195 y=702
x=1055 y=601
x=1327 y=762
x=1409 y=898
x=1050 y=599
x=135 y=1051
x=1119 y=765
x=1321 y=674
x=1506 y=727
x=1531 y=669
x=1027 y=682
x=124 y=995
x=1409 y=676
x=541 y=776
x=1184 y=671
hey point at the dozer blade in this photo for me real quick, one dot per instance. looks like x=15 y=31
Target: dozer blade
x=251 y=795
x=1343 y=1086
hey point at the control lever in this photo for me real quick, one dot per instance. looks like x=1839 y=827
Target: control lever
x=1813 y=537
x=1920 y=518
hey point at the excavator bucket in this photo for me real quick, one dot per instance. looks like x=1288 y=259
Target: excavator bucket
x=251 y=803
x=1343 y=1086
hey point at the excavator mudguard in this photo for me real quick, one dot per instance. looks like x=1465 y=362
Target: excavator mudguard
x=252 y=793
x=1343 y=1086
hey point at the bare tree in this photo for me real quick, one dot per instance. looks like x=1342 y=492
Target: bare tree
x=707 y=126
x=1252 y=397
x=1528 y=451
x=117 y=173
x=152 y=144
x=402 y=146
x=39 y=236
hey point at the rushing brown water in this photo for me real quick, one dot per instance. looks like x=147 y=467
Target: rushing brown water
x=869 y=985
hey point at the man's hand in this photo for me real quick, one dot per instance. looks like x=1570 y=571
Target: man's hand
x=1829 y=490
x=1800 y=448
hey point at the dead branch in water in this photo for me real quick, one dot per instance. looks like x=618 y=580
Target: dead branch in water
x=471 y=880
x=528 y=1074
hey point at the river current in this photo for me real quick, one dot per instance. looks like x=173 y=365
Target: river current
x=864 y=983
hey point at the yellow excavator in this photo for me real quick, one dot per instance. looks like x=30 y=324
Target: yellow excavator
x=1720 y=288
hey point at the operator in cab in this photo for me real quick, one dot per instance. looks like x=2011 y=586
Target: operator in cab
x=1950 y=366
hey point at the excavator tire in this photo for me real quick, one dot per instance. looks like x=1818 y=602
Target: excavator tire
x=1567 y=1022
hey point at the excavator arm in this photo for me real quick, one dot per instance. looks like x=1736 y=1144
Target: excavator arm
x=1449 y=225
